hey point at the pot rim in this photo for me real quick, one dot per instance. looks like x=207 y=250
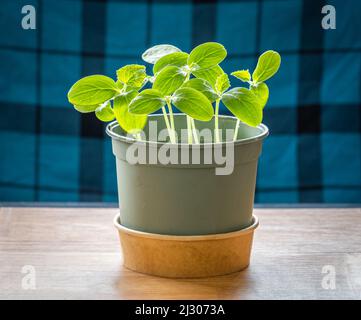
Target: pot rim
x=112 y=125
x=206 y=237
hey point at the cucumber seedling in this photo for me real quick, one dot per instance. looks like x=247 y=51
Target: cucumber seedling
x=194 y=83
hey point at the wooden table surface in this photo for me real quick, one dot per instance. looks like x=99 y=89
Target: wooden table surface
x=75 y=254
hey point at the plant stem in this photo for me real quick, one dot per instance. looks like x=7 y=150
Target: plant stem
x=187 y=77
x=196 y=140
x=216 y=125
x=189 y=129
x=167 y=124
x=236 y=130
x=171 y=120
x=190 y=122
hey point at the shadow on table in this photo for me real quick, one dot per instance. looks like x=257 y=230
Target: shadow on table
x=133 y=285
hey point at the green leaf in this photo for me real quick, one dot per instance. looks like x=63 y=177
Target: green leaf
x=209 y=75
x=193 y=103
x=92 y=90
x=132 y=75
x=244 y=104
x=153 y=54
x=262 y=92
x=105 y=112
x=178 y=59
x=222 y=83
x=242 y=75
x=203 y=87
x=267 y=65
x=207 y=55
x=169 y=80
x=86 y=109
x=146 y=102
x=131 y=123
x=119 y=84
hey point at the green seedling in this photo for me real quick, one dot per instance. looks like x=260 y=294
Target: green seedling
x=192 y=82
x=247 y=104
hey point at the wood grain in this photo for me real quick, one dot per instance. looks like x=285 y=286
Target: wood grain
x=76 y=255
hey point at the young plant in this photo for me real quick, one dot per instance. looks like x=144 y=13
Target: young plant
x=109 y=99
x=172 y=72
x=247 y=105
x=191 y=82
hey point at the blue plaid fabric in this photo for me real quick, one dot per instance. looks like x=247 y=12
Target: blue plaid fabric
x=49 y=152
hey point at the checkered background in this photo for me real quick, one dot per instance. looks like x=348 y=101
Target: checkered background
x=49 y=152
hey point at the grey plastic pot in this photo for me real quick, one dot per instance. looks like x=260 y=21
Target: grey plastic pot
x=187 y=199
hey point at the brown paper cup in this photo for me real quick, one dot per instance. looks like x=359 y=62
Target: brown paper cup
x=186 y=256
